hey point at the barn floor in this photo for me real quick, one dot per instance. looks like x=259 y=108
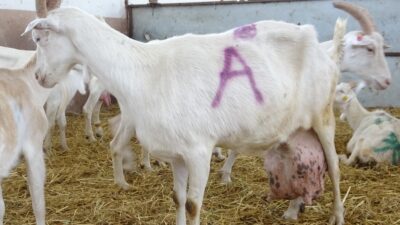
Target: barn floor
x=80 y=190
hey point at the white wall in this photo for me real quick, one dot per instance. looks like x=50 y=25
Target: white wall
x=143 y=2
x=105 y=8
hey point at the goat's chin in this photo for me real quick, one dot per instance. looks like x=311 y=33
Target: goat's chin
x=46 y=84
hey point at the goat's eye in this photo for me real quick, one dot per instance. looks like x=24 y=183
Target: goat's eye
x=370 y=49
x=37 y=39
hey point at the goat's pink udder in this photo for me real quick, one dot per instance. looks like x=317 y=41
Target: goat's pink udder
x=297 y=168
x=106 y=98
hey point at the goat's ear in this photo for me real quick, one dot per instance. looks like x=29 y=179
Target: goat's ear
x=386 y=46
x=40 y=24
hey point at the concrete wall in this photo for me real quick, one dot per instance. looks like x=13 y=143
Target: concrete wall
x=15 y=15
x=163 y=21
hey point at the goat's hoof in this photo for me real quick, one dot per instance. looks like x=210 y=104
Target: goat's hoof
x=99 y=135
x=148 y=168
x=225 y=178
x=124 y=185
x=130 y=167
x=302 y=208
x=290 y=215
x=334 y=220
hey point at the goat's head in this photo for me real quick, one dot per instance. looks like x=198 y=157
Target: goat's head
x=344 y=93
x=56 y=54
x=364 y=50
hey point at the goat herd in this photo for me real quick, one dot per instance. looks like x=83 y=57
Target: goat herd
x=265 y=89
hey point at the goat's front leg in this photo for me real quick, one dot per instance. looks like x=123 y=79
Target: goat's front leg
x=226 y=169
x=62 y=125
x=118 y=145
x=199 y=168
x=146 y=160
x=353 y=156
x=88 y=110
x=325 y=129
x=96 y=118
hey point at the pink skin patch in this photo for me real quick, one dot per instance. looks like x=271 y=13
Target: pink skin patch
x=245 y=32
x=227 y=74
x=360 y=37
x=106 y=98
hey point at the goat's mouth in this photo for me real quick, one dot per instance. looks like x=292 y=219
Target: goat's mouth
x=44 y=83
x=380 y=85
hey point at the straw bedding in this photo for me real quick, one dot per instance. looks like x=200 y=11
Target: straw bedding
x=80 y=189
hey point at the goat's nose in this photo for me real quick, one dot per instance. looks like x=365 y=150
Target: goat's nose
x=387 y=82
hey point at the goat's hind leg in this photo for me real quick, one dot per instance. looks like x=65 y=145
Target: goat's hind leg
x=325 y=129
x=36 y=179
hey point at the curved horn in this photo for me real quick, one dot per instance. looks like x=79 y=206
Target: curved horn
x=359 y=13
x=41 y=9
x=53 y=4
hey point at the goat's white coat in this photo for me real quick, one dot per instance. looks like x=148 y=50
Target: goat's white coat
x=165 y=90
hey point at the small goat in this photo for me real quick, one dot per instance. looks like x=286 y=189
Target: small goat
x=376 y=134
x=175 y=95
x=23 y=126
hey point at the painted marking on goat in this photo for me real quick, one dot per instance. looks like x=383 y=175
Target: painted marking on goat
x=227 y=73
x=360 y=37
x=245 y=32
x=391 y=143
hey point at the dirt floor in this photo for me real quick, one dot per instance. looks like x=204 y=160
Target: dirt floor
x=80 y=190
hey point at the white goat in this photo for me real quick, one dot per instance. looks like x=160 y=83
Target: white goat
x=174 y=95
x=376 y=133
x=23 y=126
x=363 y=50
x=363 y=55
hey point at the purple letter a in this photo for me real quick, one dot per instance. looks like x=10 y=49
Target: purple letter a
x=227 y=74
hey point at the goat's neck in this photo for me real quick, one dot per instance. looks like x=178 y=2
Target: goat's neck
x=355 y=113
x=113 y=57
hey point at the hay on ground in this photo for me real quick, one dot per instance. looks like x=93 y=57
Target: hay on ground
x=80 y=190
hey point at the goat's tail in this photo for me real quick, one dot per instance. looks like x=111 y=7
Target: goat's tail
x=336 y=51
